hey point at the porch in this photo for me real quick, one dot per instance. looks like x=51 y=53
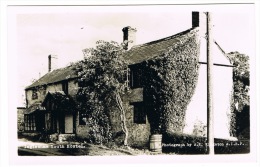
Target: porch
x=60 y=116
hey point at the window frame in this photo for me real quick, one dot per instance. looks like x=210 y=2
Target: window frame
x=139 y=113
x=135 y=76
x=29 y=123
x=65 y=87
x=34 y=94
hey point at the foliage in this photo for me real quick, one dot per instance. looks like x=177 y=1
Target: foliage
x=63 y=102
x=241 y=77
x=241 y=98
x=200 y=129
x=101 y=79
x=170 y=83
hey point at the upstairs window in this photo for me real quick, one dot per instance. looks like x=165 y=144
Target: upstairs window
x=139 y=113
x=65 y=87
x=34 y=94
x=136 y=77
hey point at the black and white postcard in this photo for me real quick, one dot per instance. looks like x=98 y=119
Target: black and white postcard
x=167 y=82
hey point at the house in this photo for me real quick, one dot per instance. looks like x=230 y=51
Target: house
x=51 y=99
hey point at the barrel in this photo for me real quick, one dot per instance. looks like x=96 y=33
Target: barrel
x=156 y=143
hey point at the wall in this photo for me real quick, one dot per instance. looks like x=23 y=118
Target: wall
x=81 y=130
x=20 y=118
x=138 y=133
x=41 y=93
x=54 y=87
x=72 y=90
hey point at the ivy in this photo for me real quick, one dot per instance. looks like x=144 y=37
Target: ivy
x=241 y=99
x=170 y=81
x=63 y=102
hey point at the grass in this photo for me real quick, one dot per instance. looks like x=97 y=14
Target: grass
x=172 y=144
x=185 y=144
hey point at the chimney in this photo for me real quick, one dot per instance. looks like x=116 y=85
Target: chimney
x=52 y=64
x=195 y=19
x=49 y=67
x=199 y=19
x=129 y=37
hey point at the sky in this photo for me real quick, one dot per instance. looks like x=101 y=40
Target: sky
x=38 y=31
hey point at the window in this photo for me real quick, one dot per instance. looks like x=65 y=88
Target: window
x=29 y=122
x=139 y=113
x=135 y=77
x=65 y=87
x=82 y=119
x=34 y=94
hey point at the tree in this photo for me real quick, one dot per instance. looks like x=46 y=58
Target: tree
x=102 y=78
x=241 y=83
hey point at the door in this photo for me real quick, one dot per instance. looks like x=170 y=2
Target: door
x=68 y=123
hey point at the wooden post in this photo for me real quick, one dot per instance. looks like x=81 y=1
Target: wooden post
x=210 y=116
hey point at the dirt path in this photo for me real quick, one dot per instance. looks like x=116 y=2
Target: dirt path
x=29 y=148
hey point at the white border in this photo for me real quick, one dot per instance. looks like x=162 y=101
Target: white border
x=6 y=92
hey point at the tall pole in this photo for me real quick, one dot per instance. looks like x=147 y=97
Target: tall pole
x=210 y=116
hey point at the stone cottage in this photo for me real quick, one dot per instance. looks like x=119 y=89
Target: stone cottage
x=50 y=99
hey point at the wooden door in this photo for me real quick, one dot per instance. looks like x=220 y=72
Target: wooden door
x=68 y=123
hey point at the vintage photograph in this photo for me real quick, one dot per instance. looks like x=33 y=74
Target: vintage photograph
x=133 y=80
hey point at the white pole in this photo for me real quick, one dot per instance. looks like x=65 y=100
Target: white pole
x=210 y=116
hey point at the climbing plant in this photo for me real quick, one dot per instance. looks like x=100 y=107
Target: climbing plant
x=101 y=83
x=241 y=99
x=170 y=83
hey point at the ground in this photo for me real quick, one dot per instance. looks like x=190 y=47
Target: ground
x=173 y=146
x=27 y=147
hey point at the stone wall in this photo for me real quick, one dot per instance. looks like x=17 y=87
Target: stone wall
x=138 y=133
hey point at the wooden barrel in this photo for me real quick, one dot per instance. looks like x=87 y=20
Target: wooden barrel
x=156 y=143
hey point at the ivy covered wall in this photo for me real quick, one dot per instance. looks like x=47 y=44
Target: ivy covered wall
x=169 y=84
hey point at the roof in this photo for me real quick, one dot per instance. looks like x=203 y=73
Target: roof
x=55 y=95
x=33 y=108
x=61 y=100
x=54 y=76
x=140 y=53
x=135 y=55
